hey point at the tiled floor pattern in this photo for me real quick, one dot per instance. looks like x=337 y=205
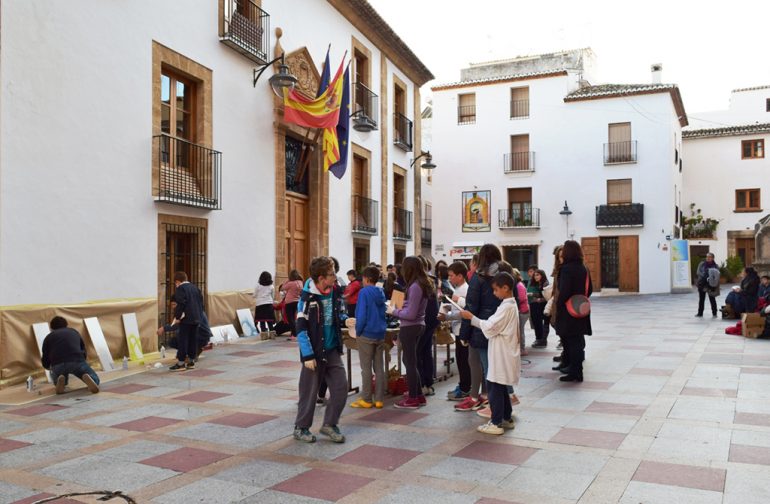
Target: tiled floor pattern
x=672 y=410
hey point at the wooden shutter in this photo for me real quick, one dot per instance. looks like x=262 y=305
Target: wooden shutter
x=592 y=258
x=628 y=274
x=619 y=192
x=520 y=93
x=620 y=132
x=467 y=100
x=520 y=143
x=520 y=195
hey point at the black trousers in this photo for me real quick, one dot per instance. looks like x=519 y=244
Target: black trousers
x=574 y=348
x=425 y=357
x=536 y=316
x=463 y=368
x=410 y=339
x=702 y=302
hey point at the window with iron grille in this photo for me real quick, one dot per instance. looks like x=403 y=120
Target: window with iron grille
x=184 y=249
x=466 y=108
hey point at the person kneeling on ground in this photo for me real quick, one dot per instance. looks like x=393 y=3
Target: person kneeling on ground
x=64 y=353
x=319 y=321
x=502 y=331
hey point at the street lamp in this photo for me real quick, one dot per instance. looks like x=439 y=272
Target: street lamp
x=283 y=79
x=428 y=164
x=566 y=212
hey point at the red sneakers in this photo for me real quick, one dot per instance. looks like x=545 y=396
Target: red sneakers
x=468 y=404
x=421 y=399
x=408 y=403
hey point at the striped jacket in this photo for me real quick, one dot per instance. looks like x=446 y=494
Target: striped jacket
x=310 y=322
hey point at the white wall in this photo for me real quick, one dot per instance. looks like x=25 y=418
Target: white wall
x=567 y=139
x=713 y=170
x=746 y=107
x=77 y=214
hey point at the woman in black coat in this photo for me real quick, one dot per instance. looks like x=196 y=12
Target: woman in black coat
x=571 y=281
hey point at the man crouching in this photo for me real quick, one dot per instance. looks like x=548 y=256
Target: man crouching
x=320 y=314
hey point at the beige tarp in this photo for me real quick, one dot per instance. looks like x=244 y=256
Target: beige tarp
x=19 y=355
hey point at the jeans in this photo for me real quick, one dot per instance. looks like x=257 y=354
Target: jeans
x=499 y=403
x=478 y=383
x=523 y=317
x=484 y=356
x=536 y=317
x=78 y=368
x=410 y=339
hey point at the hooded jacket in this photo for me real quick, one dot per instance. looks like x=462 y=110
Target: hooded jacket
x=481 y=302
x=370 y=313
x=311 y=320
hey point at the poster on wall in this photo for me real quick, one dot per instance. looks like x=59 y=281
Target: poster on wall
x=476 y=213
x=680 y=265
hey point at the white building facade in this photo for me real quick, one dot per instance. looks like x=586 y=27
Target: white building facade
x=519 y=139
x=726 y=172
x=133 y=143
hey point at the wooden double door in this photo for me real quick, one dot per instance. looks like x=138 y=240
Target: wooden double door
x=613 y=262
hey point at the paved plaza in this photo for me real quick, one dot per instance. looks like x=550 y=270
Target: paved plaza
x=672 y=410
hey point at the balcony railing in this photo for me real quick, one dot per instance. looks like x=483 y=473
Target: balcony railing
x=620 y=152
x=518 y=218
x=188 y=174
x=466 y=114
x=364 y=215
x=518 y=162
x=426 y=233
x=628 y=215
x=247 y=29
x=519 y=109
x=402 y=132
x=365 y=104
x=402 y=224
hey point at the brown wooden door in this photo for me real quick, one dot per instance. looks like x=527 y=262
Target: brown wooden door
x=628 y=247
x=592 y=258
x=745 y=249
x=360 y=177
x=297 y=233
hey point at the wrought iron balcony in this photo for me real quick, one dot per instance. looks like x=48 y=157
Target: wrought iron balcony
x=402 y=224
x=402 y=132
x=628 y=215
x=426 y=233
x=365 y=105
x=364 y=215
x=466 y=114
x=620 y=152
x=247 y=29
x=518 y=218
x=187 y=174
x=519 y=109
x=518 y=162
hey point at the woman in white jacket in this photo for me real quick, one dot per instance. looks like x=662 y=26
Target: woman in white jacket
x=502 y=331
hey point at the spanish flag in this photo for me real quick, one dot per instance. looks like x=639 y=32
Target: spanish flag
x=320 y=112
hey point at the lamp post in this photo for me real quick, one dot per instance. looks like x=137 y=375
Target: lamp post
x=428 y=164
x=283 y=79
x=566 y=212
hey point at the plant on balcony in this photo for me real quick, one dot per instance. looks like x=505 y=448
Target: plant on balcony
x=697 y=226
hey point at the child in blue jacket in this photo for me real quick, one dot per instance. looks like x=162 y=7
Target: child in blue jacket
x=370 y=331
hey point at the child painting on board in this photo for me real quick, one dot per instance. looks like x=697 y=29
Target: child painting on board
x=502 y=331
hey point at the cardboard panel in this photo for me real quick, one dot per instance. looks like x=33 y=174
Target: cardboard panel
x=100 y=344
x=131 y=326
x=246 y=319
x=41 y=330
x=223 y=334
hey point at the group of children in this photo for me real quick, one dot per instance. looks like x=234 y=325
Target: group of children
x=323 y=309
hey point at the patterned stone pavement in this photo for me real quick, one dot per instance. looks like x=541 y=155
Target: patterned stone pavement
x=672 y=410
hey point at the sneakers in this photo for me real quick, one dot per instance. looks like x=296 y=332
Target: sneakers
x=378 y=404
x=508 y=424
x=524 y=352
x=483 y=403
x=428 y=391
x=490 y=428
x=304 y=435
x=190 y=365
x=333 y=432
x=60 y=383
x=320 y=400
x=456 y=394
x=514 y=400
x=360 y=403
x=408 y=403
x=90 y=383
x=468 y=404
x=540 y=344
x=421 y=399
x=485 y=412
x=178 y=367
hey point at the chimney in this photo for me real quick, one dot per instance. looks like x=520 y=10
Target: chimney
x=657 y=72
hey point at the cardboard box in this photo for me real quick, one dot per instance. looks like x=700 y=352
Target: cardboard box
x=752 y=325
x=397 y=299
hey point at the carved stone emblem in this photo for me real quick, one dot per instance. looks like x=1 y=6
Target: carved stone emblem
x=302 y=66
